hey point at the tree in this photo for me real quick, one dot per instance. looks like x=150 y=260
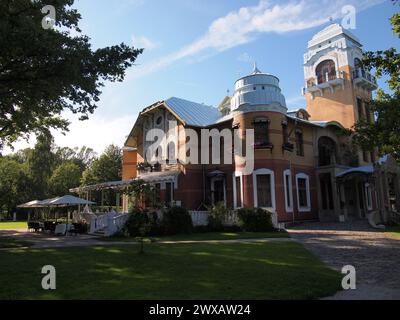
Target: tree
x=13 y=184
x=64 y=177
x=40 y=165
x=46 y=71
x=384 y=133
x=82 y=157
x=106 y=168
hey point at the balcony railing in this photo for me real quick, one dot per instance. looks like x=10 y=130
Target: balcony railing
x=323 y=81
x=363 y=77
x=324 y=78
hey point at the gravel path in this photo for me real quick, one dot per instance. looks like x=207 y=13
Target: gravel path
x=374 y=254
x=40 y=240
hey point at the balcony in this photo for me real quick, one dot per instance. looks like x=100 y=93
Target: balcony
x=324 y=81
x=364 y=79
x=145 y=167
x=263 y=145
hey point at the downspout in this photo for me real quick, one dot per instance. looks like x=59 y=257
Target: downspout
x=291 y=191
x=204 y=184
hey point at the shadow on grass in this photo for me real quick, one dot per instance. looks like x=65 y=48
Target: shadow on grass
x=201 y=271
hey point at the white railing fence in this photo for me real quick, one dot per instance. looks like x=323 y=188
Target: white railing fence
x=99 y=221
x=115 y=224
x=199 y=218
x=112 y=223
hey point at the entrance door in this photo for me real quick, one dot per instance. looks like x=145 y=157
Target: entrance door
x=217 y=191
x=351 y=199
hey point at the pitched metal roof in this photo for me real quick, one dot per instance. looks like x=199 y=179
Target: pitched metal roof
x=192 y=113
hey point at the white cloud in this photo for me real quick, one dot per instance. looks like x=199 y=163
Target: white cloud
x=97 y=133
x=245 y=57
x=247 y=23
x=144 y=42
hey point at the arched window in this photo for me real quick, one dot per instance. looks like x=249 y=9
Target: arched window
x=357 y=63
x=358 y=68
x=325 y=71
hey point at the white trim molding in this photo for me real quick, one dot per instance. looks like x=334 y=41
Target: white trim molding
x=286 y=187
x=264 y=171
x=307 y=178
x=235 y=175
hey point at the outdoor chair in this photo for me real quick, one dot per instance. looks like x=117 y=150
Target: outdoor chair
x=49 y=226
x=61 y=230
x=71 y=229
x=35 y=226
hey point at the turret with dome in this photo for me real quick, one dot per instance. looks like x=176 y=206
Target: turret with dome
x=258 y=91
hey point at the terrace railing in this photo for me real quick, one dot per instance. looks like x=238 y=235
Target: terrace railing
x=116 y=223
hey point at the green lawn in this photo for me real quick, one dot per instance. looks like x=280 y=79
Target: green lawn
x=394 y=232
x=211 y=236
x=271 y=270
x=12 y=243
x=13 y=225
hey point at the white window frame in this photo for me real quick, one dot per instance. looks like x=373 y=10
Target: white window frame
x=235 y=175
x=307 y=178
x=288 y=173
x=264 y=171
x=368 y=196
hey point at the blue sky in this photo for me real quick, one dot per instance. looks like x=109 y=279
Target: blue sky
x=196 y=49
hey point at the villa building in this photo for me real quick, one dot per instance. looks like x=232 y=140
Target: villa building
x=305 y=166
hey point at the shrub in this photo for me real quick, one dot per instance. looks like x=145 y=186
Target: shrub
x=216 y=216
x=138 y=223
x=156 y=228
x=177 y=220
x=255 y=220
x=81 y=227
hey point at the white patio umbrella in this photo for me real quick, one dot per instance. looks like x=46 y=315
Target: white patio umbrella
x=31 y=204
x=67 y=201
x=34 y=204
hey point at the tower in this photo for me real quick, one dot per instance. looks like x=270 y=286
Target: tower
x=336 y=87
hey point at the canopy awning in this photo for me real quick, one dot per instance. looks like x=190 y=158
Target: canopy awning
x=362 y=170
x=215 y=173
x=151 y=177
x=103 y=186
x=159 y=177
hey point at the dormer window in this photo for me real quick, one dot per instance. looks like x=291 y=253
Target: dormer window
x=159 y=120
x=254 y=88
